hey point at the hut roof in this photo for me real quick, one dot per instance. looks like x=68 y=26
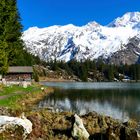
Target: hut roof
x=20 y=69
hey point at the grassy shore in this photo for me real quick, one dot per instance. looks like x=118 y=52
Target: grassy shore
x=19 y=98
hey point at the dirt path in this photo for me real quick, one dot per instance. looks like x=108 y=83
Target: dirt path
x=16 y=93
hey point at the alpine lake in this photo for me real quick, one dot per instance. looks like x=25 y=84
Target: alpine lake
x=116 y=99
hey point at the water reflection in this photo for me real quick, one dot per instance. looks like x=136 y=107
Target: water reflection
x=120 y=103
x=92 y=85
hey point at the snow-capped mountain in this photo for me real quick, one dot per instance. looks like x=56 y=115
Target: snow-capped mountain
x=129 y=19
x=90 y=41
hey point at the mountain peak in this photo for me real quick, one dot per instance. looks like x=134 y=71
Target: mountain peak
x=33 y=28
x=128 y=19
x=93 y=26
x=93 y=23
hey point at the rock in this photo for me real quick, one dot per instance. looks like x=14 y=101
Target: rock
x=4 y=111
x=112 y=134
x=7 y=122
x=102 y=123
x=42 y=88
x=138 y=135
x=37 y=126
x=131 y=134
x=131 y=123
x=79 y=131
x=4 y=81
x=24 y=84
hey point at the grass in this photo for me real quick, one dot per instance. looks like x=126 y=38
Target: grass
x=9 y=102
x=12 y=94
x=21 y=99
x=15 y=89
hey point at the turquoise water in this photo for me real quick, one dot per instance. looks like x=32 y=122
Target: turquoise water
x=119 y=100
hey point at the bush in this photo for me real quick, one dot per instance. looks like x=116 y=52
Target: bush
x=36 y=77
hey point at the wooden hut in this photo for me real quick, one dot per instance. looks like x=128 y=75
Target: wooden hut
x=19 y=73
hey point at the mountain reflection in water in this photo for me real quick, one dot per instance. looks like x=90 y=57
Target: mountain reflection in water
x=118 y=102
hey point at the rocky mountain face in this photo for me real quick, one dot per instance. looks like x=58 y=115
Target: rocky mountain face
x=129 y=55
x=114 y=42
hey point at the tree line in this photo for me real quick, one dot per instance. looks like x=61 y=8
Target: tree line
x=97 y=70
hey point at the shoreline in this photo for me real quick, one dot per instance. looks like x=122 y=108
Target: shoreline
x=44 y=79
x=60 y=125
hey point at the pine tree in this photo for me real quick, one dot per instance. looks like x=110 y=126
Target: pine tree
x=100 y=65
x=133 y=72
x=11 y=45
x=137 y=72
x=110 y=73
x=83 y=73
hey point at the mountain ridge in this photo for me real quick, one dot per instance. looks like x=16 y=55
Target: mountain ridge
x=89 y=41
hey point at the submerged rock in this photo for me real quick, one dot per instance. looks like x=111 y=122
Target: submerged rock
x=79 y=131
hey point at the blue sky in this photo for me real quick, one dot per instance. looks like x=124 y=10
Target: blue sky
x=44 y=13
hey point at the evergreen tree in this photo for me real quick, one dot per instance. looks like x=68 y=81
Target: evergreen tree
x=55 y=65
x=137 y=72
x=133 y=72
x=110 y=73
x=93 y=65
x=100 y=65
x=11 y=45
x=83 y=72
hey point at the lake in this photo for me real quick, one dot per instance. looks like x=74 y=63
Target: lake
x=118 y=100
